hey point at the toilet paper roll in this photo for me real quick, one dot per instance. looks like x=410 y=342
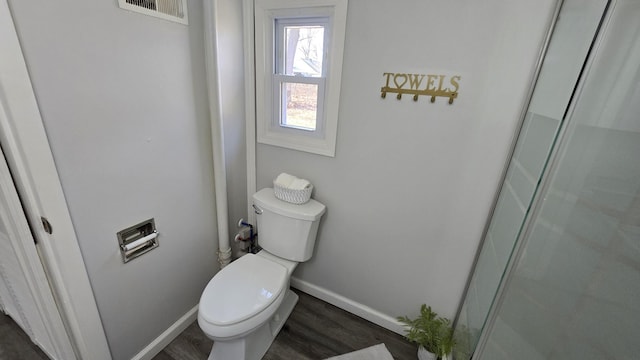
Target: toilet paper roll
x=140 y=242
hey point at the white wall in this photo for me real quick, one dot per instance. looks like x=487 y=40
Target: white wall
x=123 y=100
x=412 y=183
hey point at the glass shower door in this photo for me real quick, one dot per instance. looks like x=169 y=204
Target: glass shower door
x=574 y=290
x=567 y=50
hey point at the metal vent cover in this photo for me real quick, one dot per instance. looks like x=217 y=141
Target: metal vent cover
x=172 y=10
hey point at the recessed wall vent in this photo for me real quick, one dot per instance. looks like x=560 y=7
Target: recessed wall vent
x=172 y=10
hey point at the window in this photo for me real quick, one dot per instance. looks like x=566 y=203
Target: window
x=299 y=76
x=298 y=71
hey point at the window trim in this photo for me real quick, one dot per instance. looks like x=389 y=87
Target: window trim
x=323 y=140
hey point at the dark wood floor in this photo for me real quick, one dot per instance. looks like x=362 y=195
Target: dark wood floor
x=315 y=330
x=15 y=343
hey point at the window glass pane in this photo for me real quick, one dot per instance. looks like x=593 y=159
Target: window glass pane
x=299 y=105
x=303 y=50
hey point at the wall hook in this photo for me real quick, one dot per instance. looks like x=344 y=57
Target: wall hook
x=420 y=84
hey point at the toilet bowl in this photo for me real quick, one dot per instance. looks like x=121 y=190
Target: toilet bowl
x=242 y=297
x=245 y=305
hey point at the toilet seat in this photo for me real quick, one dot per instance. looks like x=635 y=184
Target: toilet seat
x=242 y=296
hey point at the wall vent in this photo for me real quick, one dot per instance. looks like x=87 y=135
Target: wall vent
x=172 y=10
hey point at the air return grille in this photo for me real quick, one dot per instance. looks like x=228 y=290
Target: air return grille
x=173 y=10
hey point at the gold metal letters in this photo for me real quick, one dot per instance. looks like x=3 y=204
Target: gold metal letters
x=436 y=85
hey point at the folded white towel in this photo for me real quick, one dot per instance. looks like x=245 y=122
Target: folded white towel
x=299 y=184
x=284 y=180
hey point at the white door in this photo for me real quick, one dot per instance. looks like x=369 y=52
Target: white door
x=25 y=294
x=26 y=149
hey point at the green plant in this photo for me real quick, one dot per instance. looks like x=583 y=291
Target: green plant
x=430 y=331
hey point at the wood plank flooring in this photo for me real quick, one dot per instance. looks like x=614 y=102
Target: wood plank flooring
x=15 y=344
x=314 y=331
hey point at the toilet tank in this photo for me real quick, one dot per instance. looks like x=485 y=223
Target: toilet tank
x=284 y=229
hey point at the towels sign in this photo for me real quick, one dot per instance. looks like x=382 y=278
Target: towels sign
x=421 y=84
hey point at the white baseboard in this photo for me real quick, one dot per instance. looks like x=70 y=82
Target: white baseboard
x=363 y=311
x=167 y=336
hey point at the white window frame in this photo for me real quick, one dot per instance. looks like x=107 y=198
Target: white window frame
x=268 y=84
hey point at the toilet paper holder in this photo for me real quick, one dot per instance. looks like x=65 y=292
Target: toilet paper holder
x=137 y=240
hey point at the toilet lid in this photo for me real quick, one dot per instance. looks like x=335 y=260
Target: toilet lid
x=242 y=289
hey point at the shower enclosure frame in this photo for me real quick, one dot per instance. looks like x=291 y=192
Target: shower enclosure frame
x=551 y=164
x=543 y=188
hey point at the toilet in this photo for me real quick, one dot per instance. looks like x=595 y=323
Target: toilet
x=245 y=305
